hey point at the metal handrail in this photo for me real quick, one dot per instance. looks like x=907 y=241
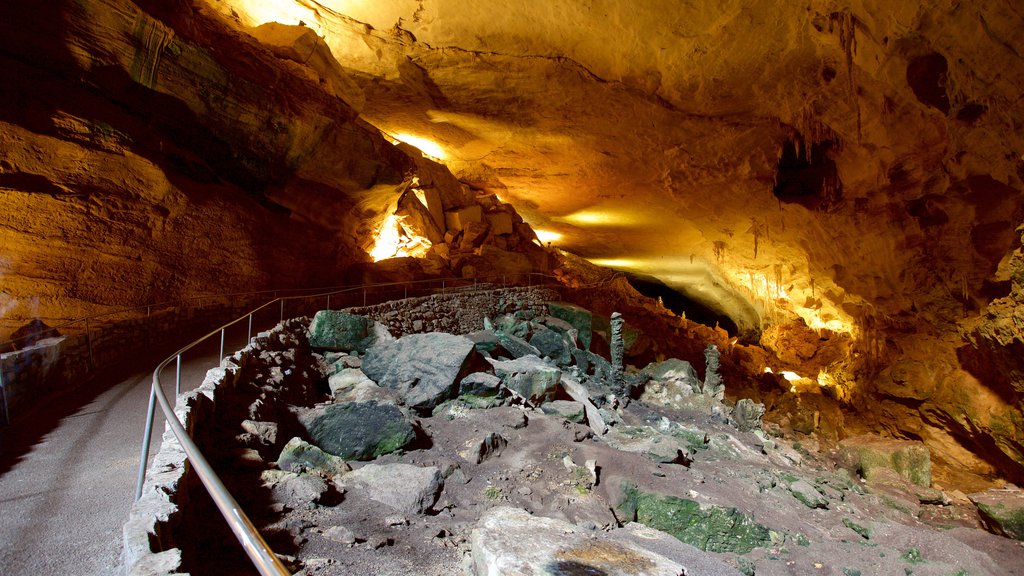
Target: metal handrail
x=256 y=548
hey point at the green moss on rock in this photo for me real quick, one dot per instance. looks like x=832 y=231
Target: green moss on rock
x=710 y=528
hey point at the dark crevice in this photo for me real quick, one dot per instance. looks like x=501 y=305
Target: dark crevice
x=926 y=76
x=680 y=304
x=807 y=175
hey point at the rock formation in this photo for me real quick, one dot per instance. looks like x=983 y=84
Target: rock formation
x=842 y=181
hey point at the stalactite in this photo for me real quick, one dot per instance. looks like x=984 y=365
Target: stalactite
x=847 y=26
x=759 y=229
x=719 y=249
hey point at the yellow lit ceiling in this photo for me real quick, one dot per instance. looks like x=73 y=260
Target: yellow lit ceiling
x=647 y=135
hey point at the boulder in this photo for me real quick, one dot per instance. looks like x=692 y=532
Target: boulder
x=809 y=495
x=294 y=490
x=406 y=488
x=301 y=456
x=346 y=379
x=343 y=332
x=516 y=346
x=483 y=340
x=674 y=370
x=511 y=541
x=579 y=318
x=456 y=220
x=868 y=454
x=479 y=384
x=501 y=222
x=747 y=415
x=708 y=527
x=567 y=409
x=552 y=345
x=424 y=368
x=1002 y=511
x=361 y=430
x=529 y=377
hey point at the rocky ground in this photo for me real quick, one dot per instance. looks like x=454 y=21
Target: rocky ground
x=512 y=450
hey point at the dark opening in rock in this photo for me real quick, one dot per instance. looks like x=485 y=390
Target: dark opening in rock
x=680 y=304
x=807 y=175
x=926 y=76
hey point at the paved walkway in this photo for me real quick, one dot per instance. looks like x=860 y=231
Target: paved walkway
x=67 y=470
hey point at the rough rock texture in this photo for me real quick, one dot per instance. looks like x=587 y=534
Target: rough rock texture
x=528 y=377
x=512 y=541
x=424 y=368
x=407 y=489
x=870 y=455
x=361 y=430
x=301 y=456
x=339 y=331
x=1002 y=511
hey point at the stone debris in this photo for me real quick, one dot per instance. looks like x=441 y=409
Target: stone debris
x=747 y=415
x=1002 y=511
x=528 y=377
x=490 y=445
x=405 y=488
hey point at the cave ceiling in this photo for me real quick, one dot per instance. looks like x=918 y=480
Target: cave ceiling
x=832 y=160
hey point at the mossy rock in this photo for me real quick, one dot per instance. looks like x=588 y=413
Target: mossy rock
x=361 y=430
x=710 y=528
x=1002 y=512
x=873 y=454
x=580 y=318
x=340 y=331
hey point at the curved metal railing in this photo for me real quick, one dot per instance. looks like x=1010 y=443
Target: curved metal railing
x=263 y=558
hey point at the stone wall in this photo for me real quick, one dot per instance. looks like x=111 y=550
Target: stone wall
x=460 y=311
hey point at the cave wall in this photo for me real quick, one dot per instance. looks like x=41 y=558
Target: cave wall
x=139 y=157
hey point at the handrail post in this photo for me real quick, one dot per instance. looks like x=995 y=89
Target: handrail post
x=328 y=301
x=364 y=296
x=442 y=286
x=282 y=310
x=3 y=390
x=146 y=438
x=406 y=295
x=249 y=336
x=221 y=357
x=88 y=341
x=177 y=379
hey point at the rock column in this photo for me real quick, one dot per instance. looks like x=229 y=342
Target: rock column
x=618 y=349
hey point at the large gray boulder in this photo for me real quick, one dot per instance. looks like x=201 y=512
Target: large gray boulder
x=340 y=331
x=674 y=370
x=511 y=541
x=424 y=368
x=553 y=345
x=361 y=430
x=529 y=377
x=406 y=488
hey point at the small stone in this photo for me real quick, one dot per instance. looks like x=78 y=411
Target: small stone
x=524 y=490
x=396 y=520
x=490 y=445
x=341 y=535
x=265 y=431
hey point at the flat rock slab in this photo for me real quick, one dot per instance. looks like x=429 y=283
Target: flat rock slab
x=509 y=541
x=340 y=331
x=406 y=488
x=361 y=430
x=529 y=377
x=424 y=368
x=1002 y=511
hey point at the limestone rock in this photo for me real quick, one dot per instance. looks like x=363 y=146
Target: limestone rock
x=424 y=368
x=579 y=318
x=479 y=384
x=708 y=527
x=1002 y=511
x=343 y=332
x=516 y=346
x=406 y=488
x=511 y=541
x=809 y=495
x=747 y=414
x=361 y=430
x=567 y=409
x=294 y=490
x=553 y=345
x=674 y=370
x=301 y=456
x=265 y=431
x=868 y=454
x=529 y=377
